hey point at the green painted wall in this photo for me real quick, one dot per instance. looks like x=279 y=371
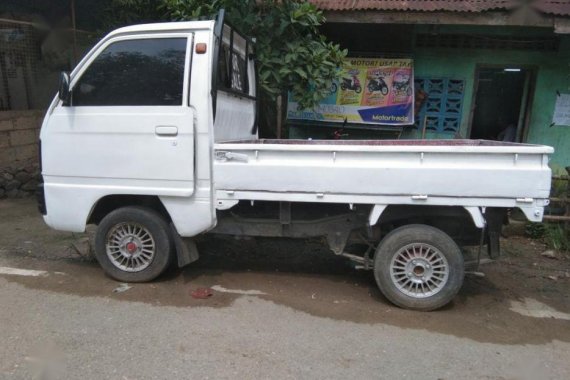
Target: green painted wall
x=553 y=74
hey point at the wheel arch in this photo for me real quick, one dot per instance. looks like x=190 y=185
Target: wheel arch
x=385 y=213
x=463 y=224
x=109 y=203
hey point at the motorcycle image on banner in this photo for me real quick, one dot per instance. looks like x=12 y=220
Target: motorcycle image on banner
x=371 y=91
x=352 y=83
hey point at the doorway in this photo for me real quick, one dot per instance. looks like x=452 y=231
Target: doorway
x=502 y=103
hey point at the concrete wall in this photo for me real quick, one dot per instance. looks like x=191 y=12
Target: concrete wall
x=19 y=131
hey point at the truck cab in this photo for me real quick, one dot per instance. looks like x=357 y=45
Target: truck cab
x=139 y=115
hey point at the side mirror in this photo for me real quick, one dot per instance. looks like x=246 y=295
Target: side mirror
x=64 y=93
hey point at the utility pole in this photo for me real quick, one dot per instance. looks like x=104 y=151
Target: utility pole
x=74 y=26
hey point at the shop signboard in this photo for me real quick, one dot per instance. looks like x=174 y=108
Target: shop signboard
x=371 y=91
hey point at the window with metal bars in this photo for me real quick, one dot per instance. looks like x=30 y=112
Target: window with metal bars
x=443 y=107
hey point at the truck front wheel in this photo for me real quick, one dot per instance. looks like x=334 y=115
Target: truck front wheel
x=133 y=244
x=418 y=267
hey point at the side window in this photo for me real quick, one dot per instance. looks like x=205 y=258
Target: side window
x=232 y=63
x=145 y=72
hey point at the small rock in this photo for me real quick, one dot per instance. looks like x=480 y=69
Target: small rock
x=83 y=247
x=22 y=194
x=12 y=184
x=12 y=193
x=31 y=169
x=553 y=278
x=31 y=185
x=7 y=176
x=202 y=293
x=122 y=288
x=23 y=176
x=549 y=254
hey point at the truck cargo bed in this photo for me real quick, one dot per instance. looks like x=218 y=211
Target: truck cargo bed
x=462 y=142
x=442 y=172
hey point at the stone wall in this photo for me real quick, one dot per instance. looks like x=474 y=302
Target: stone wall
x=19 y=167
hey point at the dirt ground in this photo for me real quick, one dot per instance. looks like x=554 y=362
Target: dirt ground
x=506 y=306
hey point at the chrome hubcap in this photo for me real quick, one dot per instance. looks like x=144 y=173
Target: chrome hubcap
x=130 y=247
x=419 y=270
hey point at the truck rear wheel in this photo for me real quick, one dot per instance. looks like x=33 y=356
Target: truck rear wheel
x=418 y=267
x=133 y=244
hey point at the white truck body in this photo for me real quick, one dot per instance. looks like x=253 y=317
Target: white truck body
x=465 y=173
x=198 y=162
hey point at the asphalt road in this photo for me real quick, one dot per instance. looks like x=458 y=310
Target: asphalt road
x=316 y=318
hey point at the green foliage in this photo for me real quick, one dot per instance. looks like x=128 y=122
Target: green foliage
x=126 y=12
x=559 y=187
x=291 y=53
x=553 y=235
x=535 y=230
x=556 y=237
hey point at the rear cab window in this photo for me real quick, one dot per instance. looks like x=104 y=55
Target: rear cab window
x=233 y=71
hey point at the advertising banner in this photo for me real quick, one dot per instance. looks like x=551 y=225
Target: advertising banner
x=371 y=91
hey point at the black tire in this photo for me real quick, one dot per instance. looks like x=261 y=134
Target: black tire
x=384 y=90
x=156 y=227
x=358 y=89
x=395 y=243
x=334 y=88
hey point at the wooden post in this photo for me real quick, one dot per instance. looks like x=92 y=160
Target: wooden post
x=424 y=124
x=74 y=26
x=567 y=201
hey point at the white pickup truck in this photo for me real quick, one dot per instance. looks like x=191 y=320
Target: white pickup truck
x=153 y=137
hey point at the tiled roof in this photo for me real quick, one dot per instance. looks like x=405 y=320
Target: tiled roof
x=559 y=8
x=414 y=5
x=554 y=7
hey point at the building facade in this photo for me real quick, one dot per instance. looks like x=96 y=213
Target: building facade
x=491 y=69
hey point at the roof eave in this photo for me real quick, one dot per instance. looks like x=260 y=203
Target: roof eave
x=490 y=18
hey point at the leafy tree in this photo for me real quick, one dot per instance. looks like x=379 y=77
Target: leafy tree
x=119 y=13
x=292 y=55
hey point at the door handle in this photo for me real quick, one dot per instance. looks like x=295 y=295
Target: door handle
x=166 y=130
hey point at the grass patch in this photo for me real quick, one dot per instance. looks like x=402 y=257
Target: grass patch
x=553 y=235
x=556 y=237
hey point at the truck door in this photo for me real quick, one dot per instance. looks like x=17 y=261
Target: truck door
x=128 y=126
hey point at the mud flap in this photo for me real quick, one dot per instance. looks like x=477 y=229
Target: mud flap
x=495 y=218
x=186 y=250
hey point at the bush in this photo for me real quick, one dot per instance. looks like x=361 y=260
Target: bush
x=556 y=237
